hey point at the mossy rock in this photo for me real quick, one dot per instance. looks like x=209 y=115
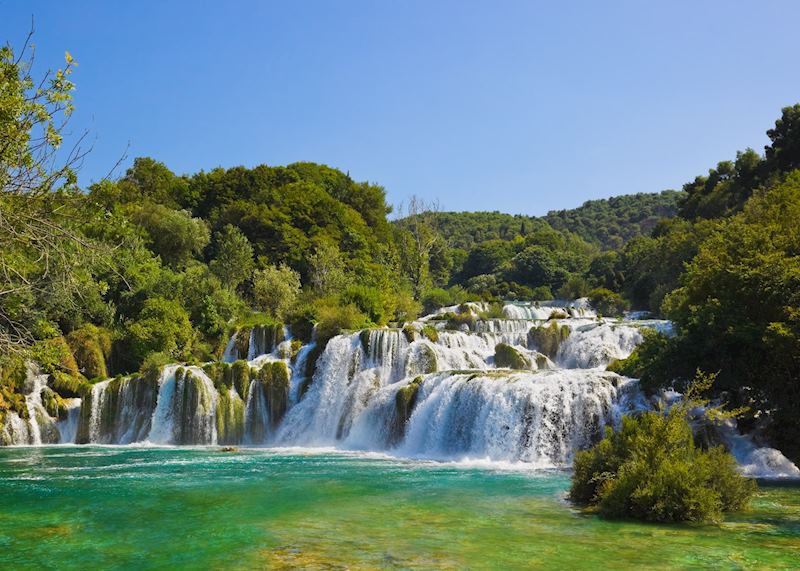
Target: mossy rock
x=68 y=386
x=430 y=333
x=405 y=399
x=53 y=403
x=507 y=356
x=274 y=379
x=229 y=418
x=242 y=342
x=461 y=321
x=424 y=359
x=240 y=378
x=410 y=333
x=558 y=314
x=12 y=401
x=548 y=339
x=296 y=345
x=364 y=337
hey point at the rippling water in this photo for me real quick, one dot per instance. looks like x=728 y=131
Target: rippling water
x=199 y=508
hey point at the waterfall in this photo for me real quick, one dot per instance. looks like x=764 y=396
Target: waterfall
x=540 y=418
x=68 y=427
x=530 y=387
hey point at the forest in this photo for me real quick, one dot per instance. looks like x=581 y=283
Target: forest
x=156 y=266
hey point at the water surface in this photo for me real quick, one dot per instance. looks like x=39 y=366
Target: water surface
x=198 y=508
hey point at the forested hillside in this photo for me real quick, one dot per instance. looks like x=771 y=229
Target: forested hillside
x=612 y=222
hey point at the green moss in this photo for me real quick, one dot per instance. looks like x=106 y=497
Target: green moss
x=405 y=399
x=548 y=339
x=68 y=386
x=91 y=347
x=296 y=345
x=53 y=403
x=229 y=418
x=425 y=361
x=558 y=314
x=541 y=362
x=274 y=379
x=240 y=378
x=410 y=333
x=242 y=342
x=507 y=356
x=431 y=333
x=457 y=321
x=494 y=311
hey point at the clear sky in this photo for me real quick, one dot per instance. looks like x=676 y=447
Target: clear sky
x=521 y=106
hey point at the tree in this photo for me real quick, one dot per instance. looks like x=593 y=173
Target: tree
x=327 y=268
x=535 y=266
x=419 y=238
x=275 y=290
x=233 y=257
x=173 y=234
x=784 y=152
x=42 y=254
x=163 y=326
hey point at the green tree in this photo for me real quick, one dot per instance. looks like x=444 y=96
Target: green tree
x=327 y=268
x=233 y=257
x=163 y=326
x=275 y=290
x=172 y=234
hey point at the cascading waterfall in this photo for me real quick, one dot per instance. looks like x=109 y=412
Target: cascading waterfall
x=531 y=387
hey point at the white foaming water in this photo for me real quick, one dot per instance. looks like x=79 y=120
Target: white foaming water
x=538 y=418
x=595 y=344
x=756 y=461
x=68 y=428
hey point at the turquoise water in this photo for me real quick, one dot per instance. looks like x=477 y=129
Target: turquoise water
x=199 y=508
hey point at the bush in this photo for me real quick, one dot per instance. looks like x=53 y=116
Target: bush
x=163 y=327
x=275 y=289
x=436 y=298
x=370 y=301
x=333 y=319
x=652 y=470
x=606 y=302
x=91 y=347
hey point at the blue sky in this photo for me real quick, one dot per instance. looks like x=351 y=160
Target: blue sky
x=521 y=107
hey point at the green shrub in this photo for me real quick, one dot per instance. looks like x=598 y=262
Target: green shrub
x=333 y=319
x=457 y=320
x=541 y=293
x=652 y=470
x=436 y=298
x=607 y=303
x=431 y=333
x=91 y=347
x=370 y=301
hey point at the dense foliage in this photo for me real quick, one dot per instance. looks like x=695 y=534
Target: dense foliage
x=652 y=470
x=612 y=222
